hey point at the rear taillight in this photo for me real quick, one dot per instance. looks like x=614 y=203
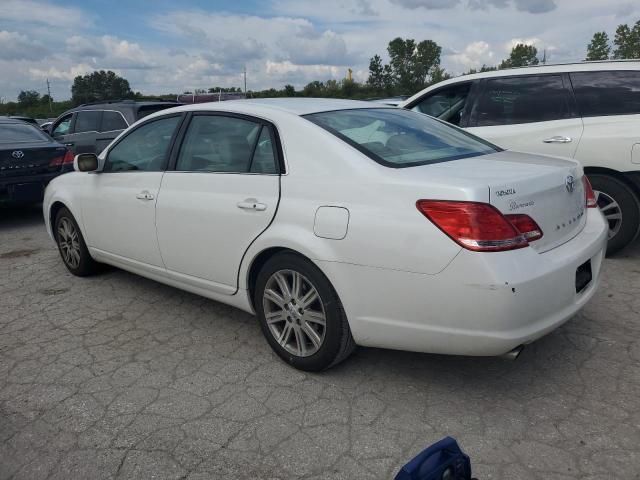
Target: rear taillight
x=65 y=159
x=526 y=226
x=589 y=195
x=475 y=226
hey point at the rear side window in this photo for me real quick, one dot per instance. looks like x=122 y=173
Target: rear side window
x=215 y=143
x=88 y=121
x=21 y=133
x=607 y=93
x=112 y=121
x=400 y=138
x=144 y=149
x=149 y=109
x=528 y=99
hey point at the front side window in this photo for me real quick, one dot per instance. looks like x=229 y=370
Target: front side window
x=607 y=93
x=528 y=99
x=447 y=104
x=215 y=143
x=63 y=126
x=144 y=149
x=400 y=138
x=88 y=121
x=112 y=121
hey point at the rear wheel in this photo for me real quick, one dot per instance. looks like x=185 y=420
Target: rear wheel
x=300 y=314
x=73 y=250
x=620 y=207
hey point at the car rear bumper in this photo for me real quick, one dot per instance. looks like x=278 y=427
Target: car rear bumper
x=28 y=189
x=481 y=304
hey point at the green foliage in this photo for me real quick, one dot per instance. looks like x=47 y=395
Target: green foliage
x=99 y=86
x=28 y=98
x=289 y=91
x=627 y=41
x=521 y=56
x=412 y=65
x=599 y=48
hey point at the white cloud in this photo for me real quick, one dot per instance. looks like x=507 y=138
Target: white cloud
x=30 y=11
x=474 y=55
x=16 y=46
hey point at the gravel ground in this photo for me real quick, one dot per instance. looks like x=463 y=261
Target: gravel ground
x=118 y=376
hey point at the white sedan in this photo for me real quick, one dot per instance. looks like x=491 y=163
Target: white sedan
x=339 y=223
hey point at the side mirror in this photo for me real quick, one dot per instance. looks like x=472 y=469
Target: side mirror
x=85 y=162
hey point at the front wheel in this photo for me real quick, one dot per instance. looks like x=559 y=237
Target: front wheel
x=300 y=314
x=71 y=245
x=620 y=207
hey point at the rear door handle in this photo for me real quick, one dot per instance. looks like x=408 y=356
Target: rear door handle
x=557 y=139
x=252 y=204
x=70 y=144
x=144 y=195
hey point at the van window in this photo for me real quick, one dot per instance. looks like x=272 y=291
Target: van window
x=112 y=121
x=607 y=93
x=446 y=104
x=87 y=121
x=526 y=99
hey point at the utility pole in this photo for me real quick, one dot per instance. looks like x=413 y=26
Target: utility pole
x=544 y=57
x=49 y=93
x=245 y=81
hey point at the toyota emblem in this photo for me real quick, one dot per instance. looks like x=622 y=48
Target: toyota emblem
x=17 y=154
x=569 y=183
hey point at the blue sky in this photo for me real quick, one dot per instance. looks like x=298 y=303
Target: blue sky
x=165 y=46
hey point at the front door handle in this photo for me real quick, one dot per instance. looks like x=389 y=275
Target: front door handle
x=144 y=195
x=557 y=139
x=69 y=144
x=252 y=204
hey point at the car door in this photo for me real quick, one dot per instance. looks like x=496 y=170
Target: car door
x=530 y=113
x=62 y=129
x=112 y=125
x=222 y=193
x=85 y=130
x=119 y=210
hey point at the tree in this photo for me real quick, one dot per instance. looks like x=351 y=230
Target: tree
x=28 y=98
x=599 y=48
x=289 y=91
x=412 y=65
x=627 y=41
x=521 y=56
x=99 y=86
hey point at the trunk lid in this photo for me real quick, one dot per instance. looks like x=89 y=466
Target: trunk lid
x=514 y=183
x=30 y=159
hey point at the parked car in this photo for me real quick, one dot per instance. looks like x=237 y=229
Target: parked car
x=92 y=126
x=394 y=101
x=30 y=120
x=29 y=159
x=589 y=111
x=339 y=223
x=46 y=126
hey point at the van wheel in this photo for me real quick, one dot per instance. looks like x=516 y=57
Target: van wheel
x=620 y=207
x=300 y=314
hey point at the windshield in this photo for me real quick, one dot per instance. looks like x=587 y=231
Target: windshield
x=400 y=138
x=21 y=133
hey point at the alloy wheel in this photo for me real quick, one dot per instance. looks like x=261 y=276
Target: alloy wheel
x=294 y=313
x=611 y=211
x=69 y=242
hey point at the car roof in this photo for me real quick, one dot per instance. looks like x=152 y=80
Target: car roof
x=295 y=106
x=14 y=121
x=120 y=104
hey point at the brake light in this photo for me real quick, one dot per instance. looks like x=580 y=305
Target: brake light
x=589 y=194
x=65 y=159
x=473 y=225
x=526 y=226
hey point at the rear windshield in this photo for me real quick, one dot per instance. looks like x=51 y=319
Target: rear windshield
x=21 y=133
x=401 y=138
x=149 y=109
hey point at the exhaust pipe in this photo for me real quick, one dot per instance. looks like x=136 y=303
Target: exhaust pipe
x=513 y=354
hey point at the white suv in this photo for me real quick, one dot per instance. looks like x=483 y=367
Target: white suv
x=589 y=111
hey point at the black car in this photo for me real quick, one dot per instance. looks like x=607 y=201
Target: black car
x=89 y=128
x=29 y=159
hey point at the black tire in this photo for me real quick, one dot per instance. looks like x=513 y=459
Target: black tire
x=629 y=204
x=337 y=343
x=85 y=264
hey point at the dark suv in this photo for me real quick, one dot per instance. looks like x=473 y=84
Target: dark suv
x=89 y=128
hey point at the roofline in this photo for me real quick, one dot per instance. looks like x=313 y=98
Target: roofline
x=560 y=64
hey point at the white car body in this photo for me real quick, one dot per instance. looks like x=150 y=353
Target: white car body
x=605 y=144
x=403 y=283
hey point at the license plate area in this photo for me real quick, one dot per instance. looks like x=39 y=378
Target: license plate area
x=26 y=192
x=583 y=276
